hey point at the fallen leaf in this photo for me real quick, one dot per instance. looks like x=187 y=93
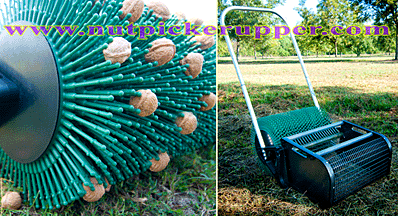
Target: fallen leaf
x=140 y=200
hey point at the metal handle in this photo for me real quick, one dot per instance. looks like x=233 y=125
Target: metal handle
x=235 y=62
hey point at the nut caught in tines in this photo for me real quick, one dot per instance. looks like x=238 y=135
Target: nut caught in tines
x=196 y=21
x=163 y=51
x=118 y=51
x=147 y=103
x=195 y=61
x=108 y=188
x=180 y=16
x=205 y=41
x=134 y=7
x=93 y=196
x=161 y=164
x=159 y=10
x=103 y=2
x=188 y=123
x=210 y=100
x=11 y=200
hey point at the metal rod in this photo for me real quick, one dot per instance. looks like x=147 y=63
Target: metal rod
x=306 y=133
x=344 y=144
x=325 y=139
x=235 y=62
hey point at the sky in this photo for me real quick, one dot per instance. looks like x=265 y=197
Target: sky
x=290 y=15
x=204 y=9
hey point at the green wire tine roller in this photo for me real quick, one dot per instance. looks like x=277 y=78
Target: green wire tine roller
x=80 y=112
x=304 y=150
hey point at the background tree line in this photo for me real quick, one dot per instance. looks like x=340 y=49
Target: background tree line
x=329 y=13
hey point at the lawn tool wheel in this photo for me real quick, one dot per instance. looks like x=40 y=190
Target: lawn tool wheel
x=28 y=61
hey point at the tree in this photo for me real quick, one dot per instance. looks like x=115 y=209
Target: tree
x=222 y=49
x=330 y=13
x=308 y=42
x=386 y=43
x=244 y=18
x=383 y=12
x=361 y=43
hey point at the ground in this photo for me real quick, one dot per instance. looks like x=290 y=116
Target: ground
x=363 y=91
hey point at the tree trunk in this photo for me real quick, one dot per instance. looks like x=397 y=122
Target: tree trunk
x=237 y=50
x=335 y=50
x=255 y=52
x=396 y=41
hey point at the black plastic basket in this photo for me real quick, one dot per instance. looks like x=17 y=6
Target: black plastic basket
x=330 y=168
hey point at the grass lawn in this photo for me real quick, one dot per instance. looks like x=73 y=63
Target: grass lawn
x=363 y=91
x=367 y=74
x=186 y=187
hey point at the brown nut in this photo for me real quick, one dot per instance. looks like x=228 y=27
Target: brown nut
x=205 y=41
x=147 y=103
x=163 y=51
x=188 y=123
x=180 y=16
x=210 y=100
x=134 y=7
x=11 y=200
x=103 y=2
x=159 y=10
x=161 y=164
x=118 y=51
x=108 y=188
x=93 y=196
x=196 y=21
x=195 y=61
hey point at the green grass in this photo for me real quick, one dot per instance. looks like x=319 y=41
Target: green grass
x=245 y=190
x=186 y=187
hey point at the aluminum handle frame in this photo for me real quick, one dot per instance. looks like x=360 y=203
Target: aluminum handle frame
x=235 y=62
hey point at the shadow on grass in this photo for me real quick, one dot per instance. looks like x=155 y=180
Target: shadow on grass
x=243 y=188
x=309 y=61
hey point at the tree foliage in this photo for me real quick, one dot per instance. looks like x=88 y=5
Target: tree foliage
x=383 y=12
x=246 y=18
x=328 y=13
